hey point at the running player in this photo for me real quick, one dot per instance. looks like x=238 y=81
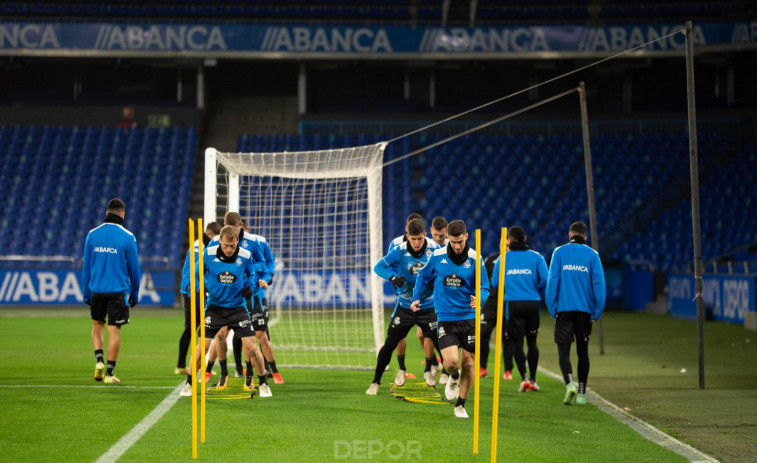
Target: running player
x=452 y=270
x=400 y=266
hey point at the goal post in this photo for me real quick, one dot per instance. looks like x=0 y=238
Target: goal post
x=321 y=213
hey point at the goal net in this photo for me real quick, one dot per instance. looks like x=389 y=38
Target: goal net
x=320 y=212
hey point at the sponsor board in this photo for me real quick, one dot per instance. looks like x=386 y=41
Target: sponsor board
x=726 y=298
x=208 y=40
x=63 y=287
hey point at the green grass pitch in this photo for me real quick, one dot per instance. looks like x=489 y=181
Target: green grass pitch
x=54 y=411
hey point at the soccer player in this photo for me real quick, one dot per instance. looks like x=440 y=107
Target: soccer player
x=213 y=229
x=257 y=304
x=575 y=297
x=400 y=266
x=489 y=322
x=439 y=230
x=452 y=270
x=110 y=274
x=402 y=346
x=230 y=277
x=525 y=280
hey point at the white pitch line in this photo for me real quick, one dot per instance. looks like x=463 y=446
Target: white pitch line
x=131 y=437
x=642 y=427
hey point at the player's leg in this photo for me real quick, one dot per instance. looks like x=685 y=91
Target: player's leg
x=221 y=353
x=214 y=322
x=236 y=345
x=516 y=329
x=508 y=349
x=426 y=321
x=185 y=338
x=466 y=336
x=449 y=342
x=260 y=325
x=397 y=331
x=583 y=334
x=118 y=315
x=564 y=335
x=98 y=330
x=256 y=357
x=487 y=326
x=466 y=379
x=533 y=320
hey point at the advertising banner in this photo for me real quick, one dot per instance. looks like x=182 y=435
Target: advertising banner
x=726 y=298
x=63 y=287
x=280 y=41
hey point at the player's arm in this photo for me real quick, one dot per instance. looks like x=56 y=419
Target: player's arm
x=251 y=277
x=553 y=283
x=484 y=285
x=541 y=272
x=132 y=263
x=599 y=288
x=388 y=268
x=86 y=271
x=425 y=275
x=262 y=274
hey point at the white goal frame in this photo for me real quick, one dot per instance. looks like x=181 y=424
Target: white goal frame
x=324 y=164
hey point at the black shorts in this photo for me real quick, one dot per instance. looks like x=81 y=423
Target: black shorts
x=523 y=318
x=236 y=319
x=404 y=319
x=572 y=324
x=258 y=313
x=461 y=333
x=113 y=305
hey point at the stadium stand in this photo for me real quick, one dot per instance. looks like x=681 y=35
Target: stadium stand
x=515 y=179
x=61 y=178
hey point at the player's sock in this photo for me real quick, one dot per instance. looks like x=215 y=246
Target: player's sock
x=429 y=362
x=249 y=368
x=456 y=375
x=99 y=356
x=111 y=367
x=224 y=367
x=581 y=388
x=434 y=361
x=209 y=366
x=189 y=379
x=401 y=361
x=460 y=401
x=272 y=364
x=262 y=379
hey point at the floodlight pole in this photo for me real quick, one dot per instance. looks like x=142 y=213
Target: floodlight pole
x=694 y=168
x=590 y=191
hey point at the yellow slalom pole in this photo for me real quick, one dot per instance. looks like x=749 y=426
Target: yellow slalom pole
x=476 y=368
x=498 y=347
x=201 y=290
x=193 y=361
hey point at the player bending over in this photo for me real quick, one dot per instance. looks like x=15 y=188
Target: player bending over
x=230 y=277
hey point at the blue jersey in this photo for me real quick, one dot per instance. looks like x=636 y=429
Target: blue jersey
x=269 y=262
x=225 y=281
x=401 y=261
x=111 y=262
x=454 y=284
x=185 y=288
x=576 y=281
x=525 y=275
